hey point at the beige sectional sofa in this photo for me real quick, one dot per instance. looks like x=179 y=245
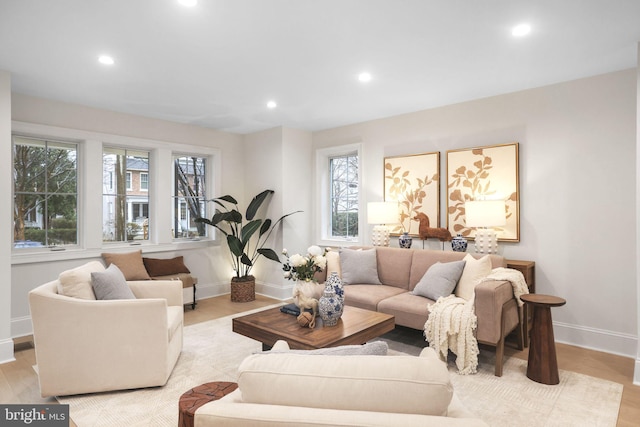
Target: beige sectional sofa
x=399 y=270
x=328 y=390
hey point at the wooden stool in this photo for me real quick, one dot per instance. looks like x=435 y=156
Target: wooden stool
x=543 y=364
x=191 y=400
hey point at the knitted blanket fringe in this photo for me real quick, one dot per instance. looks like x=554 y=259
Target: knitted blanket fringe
x=452 y=322
x=451 y=326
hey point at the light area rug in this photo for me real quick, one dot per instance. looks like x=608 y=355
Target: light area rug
x=212 y=352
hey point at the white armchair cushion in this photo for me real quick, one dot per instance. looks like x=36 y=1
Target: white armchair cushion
x=77 y=281
x=399 y=384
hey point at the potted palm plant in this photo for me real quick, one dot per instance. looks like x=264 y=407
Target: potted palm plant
x=246 y=237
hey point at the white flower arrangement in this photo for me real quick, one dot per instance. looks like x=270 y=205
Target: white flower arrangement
x=298 y=267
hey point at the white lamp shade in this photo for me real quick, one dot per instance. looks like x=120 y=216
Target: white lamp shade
x=485 y=213
x=382 y=213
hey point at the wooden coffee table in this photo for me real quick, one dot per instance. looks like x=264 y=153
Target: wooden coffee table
x=356 y=326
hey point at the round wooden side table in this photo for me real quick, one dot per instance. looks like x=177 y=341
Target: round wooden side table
x=191 y=400
x=542 y=366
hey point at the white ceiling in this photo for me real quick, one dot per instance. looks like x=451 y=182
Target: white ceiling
x=216 y=65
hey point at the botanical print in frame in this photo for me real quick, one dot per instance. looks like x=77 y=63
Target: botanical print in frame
x=414 y=182
x=484 y=173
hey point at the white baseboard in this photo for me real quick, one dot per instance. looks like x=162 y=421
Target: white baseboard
x=21 y=326
x=6 y=351
x=596 y=339
x=275 y=291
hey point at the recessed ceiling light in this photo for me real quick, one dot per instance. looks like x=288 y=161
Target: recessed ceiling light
x=271 y=104
x=521 y=30
x=106 y=60
x=188 y=3
x=364 y=77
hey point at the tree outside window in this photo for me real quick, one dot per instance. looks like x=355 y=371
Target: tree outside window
x=125 y=203
x=190 y=194
x=45 y=192
x=344 y=195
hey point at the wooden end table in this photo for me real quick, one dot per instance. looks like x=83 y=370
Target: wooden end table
x=542 y=366
x=191 y=400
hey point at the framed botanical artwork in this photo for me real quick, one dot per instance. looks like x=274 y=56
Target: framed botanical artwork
x=414 y=182
x=484 y=173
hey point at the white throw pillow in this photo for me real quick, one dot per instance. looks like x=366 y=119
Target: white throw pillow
x=359 y=266
x=77 y=281
x=474 y=271
x=333 y=263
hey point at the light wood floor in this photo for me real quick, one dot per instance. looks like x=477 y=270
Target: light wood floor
x=19 y=383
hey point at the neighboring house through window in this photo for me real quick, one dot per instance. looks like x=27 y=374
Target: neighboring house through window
x=189 y=196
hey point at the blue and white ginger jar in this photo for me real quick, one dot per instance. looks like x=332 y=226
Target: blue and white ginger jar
x=331 y=303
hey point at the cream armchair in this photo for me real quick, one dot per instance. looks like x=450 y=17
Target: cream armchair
x=87 y=346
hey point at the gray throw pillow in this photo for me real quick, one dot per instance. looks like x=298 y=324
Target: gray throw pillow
x=111 y=284
x=374 y=348
x=359 y=266
x=440 y=280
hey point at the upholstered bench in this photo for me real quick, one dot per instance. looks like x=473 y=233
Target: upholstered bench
x=136 y=267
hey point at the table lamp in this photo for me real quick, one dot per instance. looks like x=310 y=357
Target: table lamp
x=484 y=214
x=381 y=214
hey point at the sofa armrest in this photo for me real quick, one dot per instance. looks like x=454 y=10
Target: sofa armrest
x=490 y=298
x=170 y=290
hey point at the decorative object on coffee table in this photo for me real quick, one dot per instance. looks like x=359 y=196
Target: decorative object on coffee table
x=306 y=320
x=330 y=306
x=239 y=231
x=193 y=399
x=543 y=364
x=336 y=283
x=303 y=269
x=459 y=244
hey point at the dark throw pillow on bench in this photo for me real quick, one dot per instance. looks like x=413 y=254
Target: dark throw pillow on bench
x=165 y=267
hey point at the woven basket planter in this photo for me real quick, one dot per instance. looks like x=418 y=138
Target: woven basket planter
x=243 y=291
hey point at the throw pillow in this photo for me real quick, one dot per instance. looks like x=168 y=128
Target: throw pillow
x=164 y=267
x=77 y=282
x=374 y=348
x=440 y=280
x=474 y=271
x=110 y=284
x=129 y=263
x=359 y=266
x=333 y=263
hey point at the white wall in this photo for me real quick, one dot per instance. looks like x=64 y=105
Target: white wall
x=636 y=377
x=577 y=188
x=208 y=262
x=6 y=217
x=280 y=159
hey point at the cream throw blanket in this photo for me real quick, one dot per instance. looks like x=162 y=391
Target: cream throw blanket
x=452 y=322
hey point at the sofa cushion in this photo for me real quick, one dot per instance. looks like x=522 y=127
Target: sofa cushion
x=394 y=266
x=110 y=284
x=440 y=280
x=368 y=296
x=409 y=310
x=130 y=263
x=77 y=281
x=474 y=271
x=397 y=384
x=359 y=266
x=164 y=267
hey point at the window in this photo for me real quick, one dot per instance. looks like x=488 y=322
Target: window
x=125 y=205
x=144 y=181
x=344 y=198
x=45 y=195
x=189 y=196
